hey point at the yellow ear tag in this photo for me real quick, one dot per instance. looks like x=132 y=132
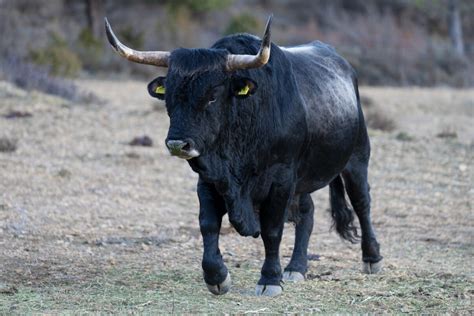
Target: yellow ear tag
x=244 y=90
x=160 y=90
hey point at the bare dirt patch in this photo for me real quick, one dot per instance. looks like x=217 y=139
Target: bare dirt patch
x=89 y=223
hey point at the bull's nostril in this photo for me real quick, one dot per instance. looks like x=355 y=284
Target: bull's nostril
x=175 y=144
x=182 y=149
x=178 y=145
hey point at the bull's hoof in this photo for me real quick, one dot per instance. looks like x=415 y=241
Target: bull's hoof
x=222 y=288
x=371 y=268
x=293 y=276
x=268 y=290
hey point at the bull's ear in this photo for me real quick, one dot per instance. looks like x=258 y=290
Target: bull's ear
x=156 y=88
x=243 y=87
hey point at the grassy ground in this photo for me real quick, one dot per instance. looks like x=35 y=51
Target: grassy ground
x=181 y=291
x=91 y=224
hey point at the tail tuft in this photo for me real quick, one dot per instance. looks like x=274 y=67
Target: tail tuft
x=342 y=215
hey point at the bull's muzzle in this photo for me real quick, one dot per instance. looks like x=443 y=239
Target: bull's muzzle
x=182 y=148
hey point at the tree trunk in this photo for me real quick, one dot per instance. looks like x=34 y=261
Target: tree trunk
x=95 y=16
x=455 y=27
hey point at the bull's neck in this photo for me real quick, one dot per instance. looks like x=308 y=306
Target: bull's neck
x=242 y=150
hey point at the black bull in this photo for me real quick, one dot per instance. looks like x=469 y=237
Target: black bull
x=263 y=135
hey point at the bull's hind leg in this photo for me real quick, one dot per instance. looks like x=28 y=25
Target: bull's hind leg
x=212 y=209
x=296 y=269
x=357 y=188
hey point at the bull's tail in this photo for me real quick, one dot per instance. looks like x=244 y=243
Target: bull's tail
x=342 y=215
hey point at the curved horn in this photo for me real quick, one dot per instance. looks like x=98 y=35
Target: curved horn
x=156 y=58
x=235 y=62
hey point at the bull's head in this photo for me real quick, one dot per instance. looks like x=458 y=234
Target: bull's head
x=197 y=89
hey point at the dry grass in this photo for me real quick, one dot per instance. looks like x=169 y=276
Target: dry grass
x=91 y=224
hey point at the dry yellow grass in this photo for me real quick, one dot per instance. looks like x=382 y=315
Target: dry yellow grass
x=91 y=224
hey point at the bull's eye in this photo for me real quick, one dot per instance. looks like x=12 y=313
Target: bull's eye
x=211 y=97
x=212 y=100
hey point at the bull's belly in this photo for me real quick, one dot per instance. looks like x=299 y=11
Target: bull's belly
x=314 y=181
x=321 y=165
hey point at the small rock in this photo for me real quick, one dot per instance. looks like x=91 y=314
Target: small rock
x=64 y=173
x=7 y=145
x=132 y=155
x=8 y=289
x=447 y=134
x=17 y=114
x=145 y=141
x=100 y=243
x=462 y=167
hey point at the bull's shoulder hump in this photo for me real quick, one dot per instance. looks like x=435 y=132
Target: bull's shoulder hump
x=325 y=84
x=317 y=56
x=313 y=48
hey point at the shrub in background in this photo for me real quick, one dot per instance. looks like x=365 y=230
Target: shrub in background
x=198 y=5
x=132 y=37
x=58 y=58
x=90 y=49
x=376 y=119
x=242 y=23
x=32 y=77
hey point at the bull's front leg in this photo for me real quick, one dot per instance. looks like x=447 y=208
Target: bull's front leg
x=272 y=218
x=212 y=209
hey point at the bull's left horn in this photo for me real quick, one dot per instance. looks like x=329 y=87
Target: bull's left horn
x=157 y=58
x=235 y=62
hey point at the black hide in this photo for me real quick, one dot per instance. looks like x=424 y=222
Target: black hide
x=259 y=155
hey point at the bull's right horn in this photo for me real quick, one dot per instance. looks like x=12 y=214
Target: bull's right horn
x=157 y=58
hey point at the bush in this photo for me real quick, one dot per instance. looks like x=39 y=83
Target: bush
x=376 y=119
x=90 y=49
x=198 y=5
x=58 y=58
x=132 y=37
x=404 y=137
x=243 y=23
x=32 y=77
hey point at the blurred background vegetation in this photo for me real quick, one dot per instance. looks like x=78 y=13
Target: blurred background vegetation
x=389 y=42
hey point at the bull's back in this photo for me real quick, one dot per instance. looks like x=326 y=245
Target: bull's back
x=326 y=88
